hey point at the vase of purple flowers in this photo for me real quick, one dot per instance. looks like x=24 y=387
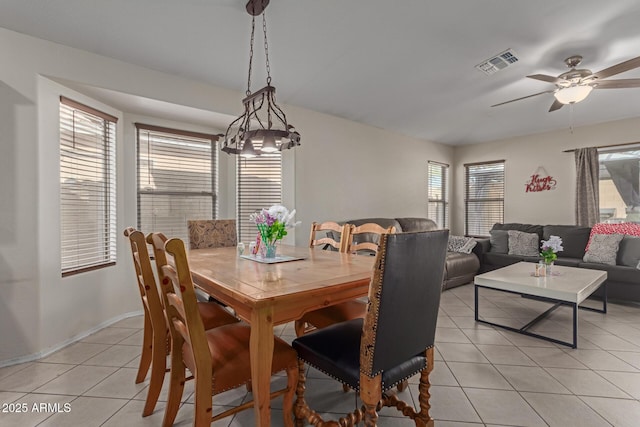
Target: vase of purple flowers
x=272 y=224
x=549 y=252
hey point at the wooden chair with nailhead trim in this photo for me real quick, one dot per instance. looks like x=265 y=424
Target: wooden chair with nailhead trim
x=393 y=342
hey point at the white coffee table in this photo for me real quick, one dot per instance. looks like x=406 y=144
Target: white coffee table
x=568 y=286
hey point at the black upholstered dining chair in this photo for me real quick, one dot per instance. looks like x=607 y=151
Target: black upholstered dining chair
x=393 y=342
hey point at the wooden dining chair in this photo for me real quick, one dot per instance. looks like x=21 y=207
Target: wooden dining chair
x=155 y=346
x=212 y=233
x=155 y=341
x=393 y=342
x=348 y=310
x=212 y=313
x=218 y=358
x=365 y=238
x=331 y=230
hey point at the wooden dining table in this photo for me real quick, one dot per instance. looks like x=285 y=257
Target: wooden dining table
x=266 y=295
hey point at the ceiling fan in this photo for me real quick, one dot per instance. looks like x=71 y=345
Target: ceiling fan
x=576 y=84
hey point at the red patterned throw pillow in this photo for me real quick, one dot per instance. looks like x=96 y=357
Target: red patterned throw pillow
x=628 y=228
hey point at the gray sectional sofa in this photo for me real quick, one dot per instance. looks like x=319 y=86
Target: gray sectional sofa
x=623 y=279
x=460 y=268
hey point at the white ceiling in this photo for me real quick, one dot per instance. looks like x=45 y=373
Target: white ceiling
x=404 y=65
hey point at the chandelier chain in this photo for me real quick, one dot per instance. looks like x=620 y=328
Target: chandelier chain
x=266 y=47
x=253 y=30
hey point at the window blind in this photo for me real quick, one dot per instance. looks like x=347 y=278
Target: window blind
x=484 y=197
x=259 y=185
x=438 y=194
x=176 y=179
x=87 y=188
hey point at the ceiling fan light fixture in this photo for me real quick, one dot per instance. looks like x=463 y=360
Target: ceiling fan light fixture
x=573 y=94
x=576 y=84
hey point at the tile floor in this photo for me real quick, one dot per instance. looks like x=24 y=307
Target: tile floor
x=483 y=376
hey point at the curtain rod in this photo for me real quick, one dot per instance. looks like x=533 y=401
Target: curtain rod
x=605 y=146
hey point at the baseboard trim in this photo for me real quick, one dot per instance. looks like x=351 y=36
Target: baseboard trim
x=72 y=340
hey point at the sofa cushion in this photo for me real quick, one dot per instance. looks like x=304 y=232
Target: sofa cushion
x=615 y=273
x=521 y=243
x=628 y=228
x=629 y=252
x=568 y=262
x=603 y=248
x=527 y=228
x=459 y=264
x=482 y=246
x=459 y=269
x=498 y=260
x=499 y=241
x=416 y=224
x=574 y=239
x=461 y=244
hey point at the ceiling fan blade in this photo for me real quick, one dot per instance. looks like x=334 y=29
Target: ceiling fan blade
x=556 y=105
x=618 y=68
x=544 y=78
x=616 y=84
x=524 y=97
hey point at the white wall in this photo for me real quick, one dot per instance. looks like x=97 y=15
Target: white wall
x=523 y=155
x=343 y=170
x=69 y=306
x=39 y=310
x=19 y=297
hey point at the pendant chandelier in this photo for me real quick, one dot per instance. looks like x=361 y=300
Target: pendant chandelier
x=263 y=127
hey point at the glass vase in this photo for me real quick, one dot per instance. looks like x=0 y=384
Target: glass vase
x=548 y=266
x=268 y=250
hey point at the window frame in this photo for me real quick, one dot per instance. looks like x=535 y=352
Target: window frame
x=444 y=191
x=106 y=163
x=214 y=170
x=468 y=200
x=605 y=175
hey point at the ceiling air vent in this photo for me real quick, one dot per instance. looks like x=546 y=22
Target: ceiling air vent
x=498 y=62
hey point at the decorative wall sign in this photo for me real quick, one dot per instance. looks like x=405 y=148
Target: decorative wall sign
x=540 y=181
